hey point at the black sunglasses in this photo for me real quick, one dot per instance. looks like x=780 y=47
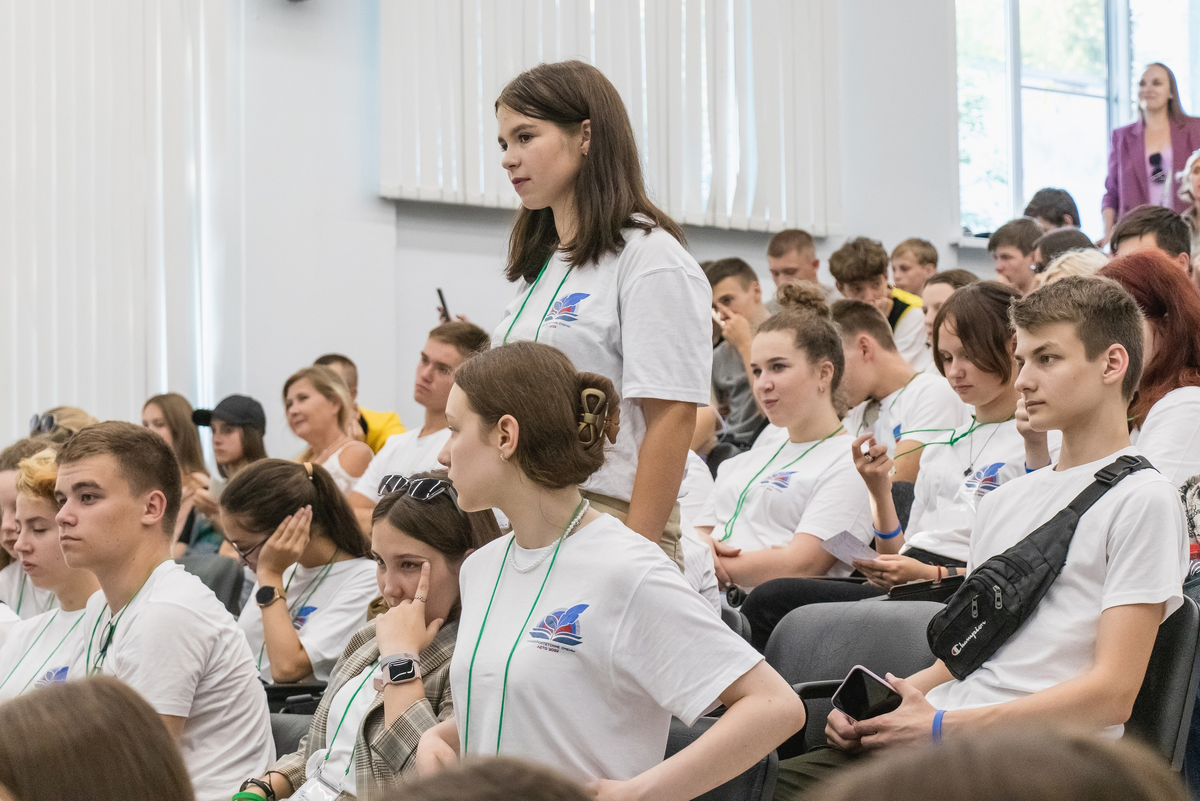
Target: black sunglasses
x=41 y=424
x=421 y=489
x=1157 y=174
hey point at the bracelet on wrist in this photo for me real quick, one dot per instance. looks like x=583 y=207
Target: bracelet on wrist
x=887 y=535
x=266 y=788
x=937 y=725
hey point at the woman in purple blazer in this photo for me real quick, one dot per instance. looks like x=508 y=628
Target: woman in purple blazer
x=1146 y=155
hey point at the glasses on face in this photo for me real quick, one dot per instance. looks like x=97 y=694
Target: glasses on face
x=246 y=554
x=421 y=489
x=41 y=424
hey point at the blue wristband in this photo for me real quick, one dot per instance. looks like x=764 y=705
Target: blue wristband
x=889 y=534
x=937 y=725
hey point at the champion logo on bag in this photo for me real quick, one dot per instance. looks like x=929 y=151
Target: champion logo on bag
x=957 y=649
x=565 y=310
x=559 y=630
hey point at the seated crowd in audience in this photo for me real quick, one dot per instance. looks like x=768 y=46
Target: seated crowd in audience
x=642 y=449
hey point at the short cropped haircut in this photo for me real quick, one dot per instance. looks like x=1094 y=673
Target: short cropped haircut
x=717 y=271
x=1100 y=310
x=859 y=259
x=1053 y=206
x=1169 y=229
x=468 y=338
x=956 y=279
x=1021 y=233
x=1059 y=241
x=978 y=316
x=791 y=240
x=20 y=450
x=349 y=368
x=853 y=317
x=920 y=249
x=144 y=459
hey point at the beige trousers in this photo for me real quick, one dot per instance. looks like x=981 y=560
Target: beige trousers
x=620 y=510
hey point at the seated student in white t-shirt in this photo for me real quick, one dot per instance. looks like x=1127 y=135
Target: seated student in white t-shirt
x=773 y=506
x=17 y=592
x=156 y=627
x=47 y=648
x=904 y=409
x=1080 y=659
x=580 y=629
x=448 y=346
x=860 y=268
x=314 y=579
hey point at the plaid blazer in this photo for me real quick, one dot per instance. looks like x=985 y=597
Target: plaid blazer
x=385 y=754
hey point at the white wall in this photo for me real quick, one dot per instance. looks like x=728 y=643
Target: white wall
x=332 y=267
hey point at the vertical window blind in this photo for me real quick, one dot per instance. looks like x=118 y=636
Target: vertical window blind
x=734 y=103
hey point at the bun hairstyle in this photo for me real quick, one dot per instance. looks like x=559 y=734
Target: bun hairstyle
x=264 y=493
x=803 y=312
x=564 y=415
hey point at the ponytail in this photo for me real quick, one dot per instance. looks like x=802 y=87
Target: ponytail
x=563 y=424
x=267 y=491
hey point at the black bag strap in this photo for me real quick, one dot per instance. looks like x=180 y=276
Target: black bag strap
x=1105 y=479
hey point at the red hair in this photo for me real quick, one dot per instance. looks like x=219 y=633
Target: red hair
x=1172 y=307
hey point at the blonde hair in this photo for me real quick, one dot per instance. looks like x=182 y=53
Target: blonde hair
x=37 y=474
x=68 y=421
x=1084 y=262
x=920 y=249
x=1184 y=178
x=326 y=381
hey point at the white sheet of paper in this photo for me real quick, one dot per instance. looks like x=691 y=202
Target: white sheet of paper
x=846 y=547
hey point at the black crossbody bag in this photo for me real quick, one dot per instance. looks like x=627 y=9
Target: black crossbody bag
x=1001 y=594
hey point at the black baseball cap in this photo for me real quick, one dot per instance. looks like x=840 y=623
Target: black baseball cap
x=237 y=410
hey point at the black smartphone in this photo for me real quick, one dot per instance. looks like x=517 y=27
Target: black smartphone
x=863 y=695
x=445 y=308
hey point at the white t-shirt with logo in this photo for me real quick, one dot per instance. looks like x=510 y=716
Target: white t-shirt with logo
x=1170 y=435
x=616 y=645
x=22 y=597
x=326 y=609
x=821 y=494
x=925 y=409
x=402 y=455
x=947 y=494
x=176 y=644
x=45 y=649
x=1129 y=548
x=642 y=318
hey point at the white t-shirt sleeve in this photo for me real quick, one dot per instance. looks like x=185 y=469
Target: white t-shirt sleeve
x=840 y=503
x=909 y=336
x=666 y=336
x=164 y=657
x=1140 y=569
x=324 y=637
x=368 y=483
x=1170 y=435
x=931 y=411
x=673 y=646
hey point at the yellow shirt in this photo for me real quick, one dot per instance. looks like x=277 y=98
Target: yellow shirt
x=378 y=426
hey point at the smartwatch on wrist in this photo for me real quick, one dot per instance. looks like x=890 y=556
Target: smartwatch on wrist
x=397 y=669
x=268 y=595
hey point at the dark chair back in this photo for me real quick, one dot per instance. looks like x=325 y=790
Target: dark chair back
x=288 y=730
x=222 y=575
x=821 y=642
x=1162 y=712
x=756 y=784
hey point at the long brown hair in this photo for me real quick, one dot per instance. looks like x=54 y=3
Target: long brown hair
x=609 y=189
x=185 y=438
x=1175 y=112
x=269 y=490
x=1172 y=307
x=253 y=450
x=558 y=445
x=89 y=740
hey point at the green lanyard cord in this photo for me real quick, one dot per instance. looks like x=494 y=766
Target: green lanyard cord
x=521 y=633
x=21 y=591
x=742 y=498
x=329 y=746
x=30 y=648
x=954 y=438
x=529 y=294
x=50 y=656
x=292 y=611
x=111 y=631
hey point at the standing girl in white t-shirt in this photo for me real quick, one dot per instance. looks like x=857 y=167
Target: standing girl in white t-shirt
x=578 y=639
x=773 y=506
x=319 y=410
x=291 y=524
x=603 y=277
x=47 y=648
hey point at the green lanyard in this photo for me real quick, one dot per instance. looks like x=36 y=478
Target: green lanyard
x=742 y=498
x=292 y=611
x=109 y=632
x=329 y=748
x=954 y=438
x=529 y=294
x=520 y=634
x=48 y=657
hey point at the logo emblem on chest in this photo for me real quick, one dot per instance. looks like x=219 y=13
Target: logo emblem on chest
x=565 y=310
x=560 y=628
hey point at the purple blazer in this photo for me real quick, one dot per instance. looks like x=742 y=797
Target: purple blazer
x=1126 y=185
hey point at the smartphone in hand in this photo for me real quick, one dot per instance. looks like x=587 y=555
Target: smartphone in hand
x=445 y=309
x=863 y=695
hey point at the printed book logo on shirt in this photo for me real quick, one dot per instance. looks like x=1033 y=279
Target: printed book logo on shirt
x=52 y=676
x=565 y=310
x=559 y=629
x=985 y=479
x=778 y=481
x=302 y=616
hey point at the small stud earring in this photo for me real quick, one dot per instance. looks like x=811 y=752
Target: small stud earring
x=503 y=458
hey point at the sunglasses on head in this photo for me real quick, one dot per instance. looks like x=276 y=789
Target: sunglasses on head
x=41 y=424
x=1157 y=174
x=421 y=489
